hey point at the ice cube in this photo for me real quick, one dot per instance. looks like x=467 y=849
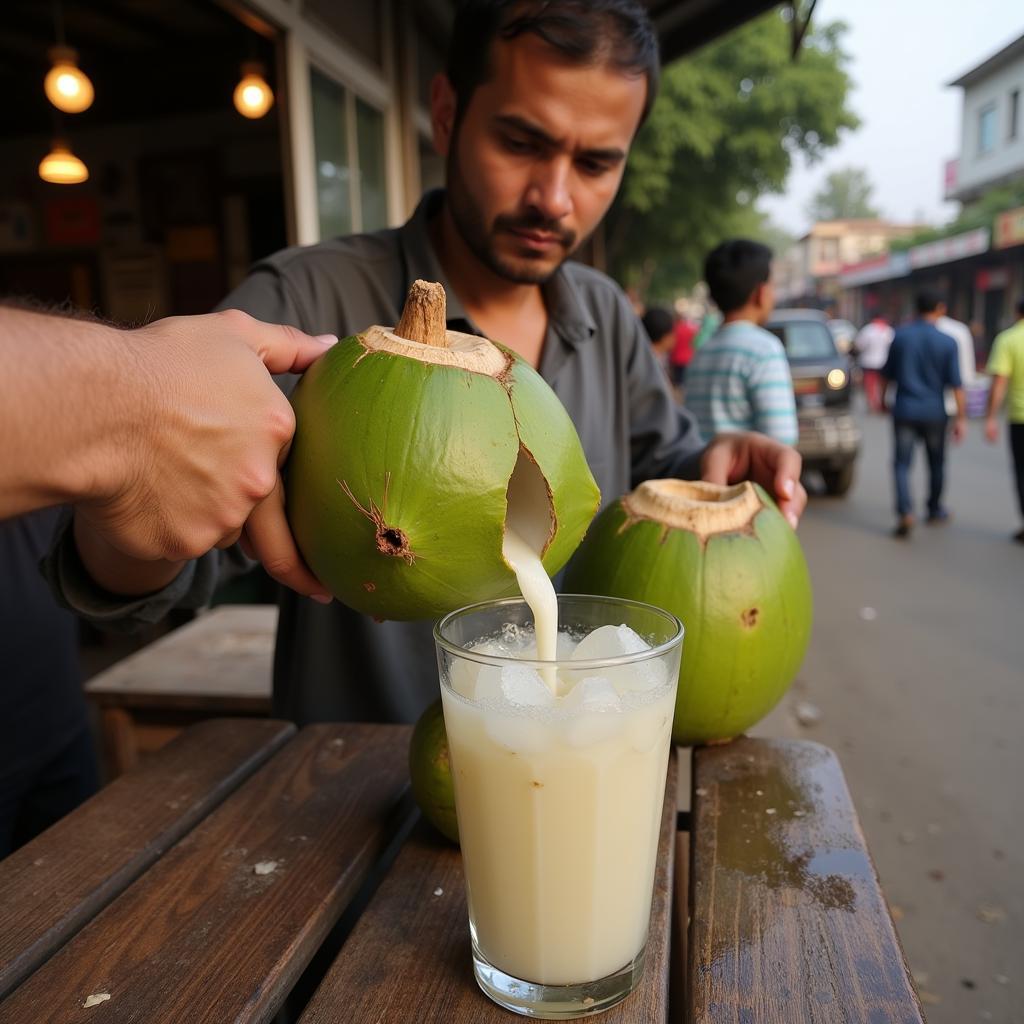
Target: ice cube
x=517 y=733
x=462 y=677
x=646 y=725
x=594 y=693
x=609 y=642
x=616 y=642
x=488 y=684
x=594 y=709
x=523 y=686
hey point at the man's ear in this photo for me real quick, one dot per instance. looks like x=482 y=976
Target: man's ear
x=442 y=112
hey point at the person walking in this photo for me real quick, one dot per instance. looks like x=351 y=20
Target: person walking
x=872 y=345
x=740 y=379
x=922 y=363
x=1006 y=367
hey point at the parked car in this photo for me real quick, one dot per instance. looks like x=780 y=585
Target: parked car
x=829 y=434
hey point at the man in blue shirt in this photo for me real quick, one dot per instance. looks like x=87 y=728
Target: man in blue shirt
x=922 y=363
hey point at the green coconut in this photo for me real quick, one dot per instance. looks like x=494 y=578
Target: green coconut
x=412 y=449
x=726 y=562
x=431 y=773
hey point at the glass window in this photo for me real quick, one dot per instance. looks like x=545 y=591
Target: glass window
x=987 y=128
x=373 y=195
x=805 y=339
x=1012 y=127
x=333 y=165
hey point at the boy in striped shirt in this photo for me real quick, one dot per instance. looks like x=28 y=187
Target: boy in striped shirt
x=740 y=379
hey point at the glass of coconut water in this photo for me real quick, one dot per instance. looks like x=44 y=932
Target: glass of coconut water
x=559 y=770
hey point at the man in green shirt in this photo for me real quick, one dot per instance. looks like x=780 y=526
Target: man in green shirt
x=1006 y=366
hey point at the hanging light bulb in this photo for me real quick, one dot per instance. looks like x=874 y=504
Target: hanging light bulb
x=67 y=87
x=61 y=167
x=253 y=97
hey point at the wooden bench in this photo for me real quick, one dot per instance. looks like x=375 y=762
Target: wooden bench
x=292 y=871
x=218 y=665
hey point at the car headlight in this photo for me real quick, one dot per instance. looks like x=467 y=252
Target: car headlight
x=836 y=379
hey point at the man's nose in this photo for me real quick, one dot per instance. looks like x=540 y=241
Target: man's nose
x=549 y=191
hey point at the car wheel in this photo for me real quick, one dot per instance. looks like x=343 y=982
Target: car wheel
x=838 y=481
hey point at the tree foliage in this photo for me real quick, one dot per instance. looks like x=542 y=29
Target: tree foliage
x=725 y=129
x=845 y=194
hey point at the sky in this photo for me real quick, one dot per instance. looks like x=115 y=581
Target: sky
x=903 y=54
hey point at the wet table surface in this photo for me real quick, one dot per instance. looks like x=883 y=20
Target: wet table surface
x=250 y=872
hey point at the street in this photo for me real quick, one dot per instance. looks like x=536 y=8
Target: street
x=916 y=666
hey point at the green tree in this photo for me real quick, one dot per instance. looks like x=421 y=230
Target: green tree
x=845 y=194
x=727 y=124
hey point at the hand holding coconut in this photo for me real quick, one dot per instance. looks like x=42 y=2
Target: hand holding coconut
x=414 y=449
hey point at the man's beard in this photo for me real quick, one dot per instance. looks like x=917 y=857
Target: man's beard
x=480 y=239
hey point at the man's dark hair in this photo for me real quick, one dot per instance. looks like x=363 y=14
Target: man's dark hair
x=657 y=322
x=618 y=33
x=927 y=301
x=734 y=269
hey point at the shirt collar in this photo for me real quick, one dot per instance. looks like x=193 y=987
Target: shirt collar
x=568 y=316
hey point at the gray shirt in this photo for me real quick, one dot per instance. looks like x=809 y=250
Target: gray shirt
x=334 y=664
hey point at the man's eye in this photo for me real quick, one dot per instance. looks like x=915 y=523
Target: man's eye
x=518 y=145
x=595 y=168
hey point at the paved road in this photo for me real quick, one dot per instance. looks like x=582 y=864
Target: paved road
x=917 y=667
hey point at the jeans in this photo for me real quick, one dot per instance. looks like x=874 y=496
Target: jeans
x=1017 y=450
x=906 y=434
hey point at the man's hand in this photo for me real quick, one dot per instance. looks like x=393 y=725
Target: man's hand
x=959 y=431
x=991 y=430
x=199 y=467
x=730 y=458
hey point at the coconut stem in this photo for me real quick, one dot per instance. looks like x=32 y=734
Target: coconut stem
x=424 y=318
x=702 y=508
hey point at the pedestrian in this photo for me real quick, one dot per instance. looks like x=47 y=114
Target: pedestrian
x=534 y=117
x=872 y=344
x=1006 y=366
x=740 y=379
x=658 y=324
x=682 y=352
x=922 y=363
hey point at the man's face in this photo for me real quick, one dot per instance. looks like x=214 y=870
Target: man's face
x=537 y=156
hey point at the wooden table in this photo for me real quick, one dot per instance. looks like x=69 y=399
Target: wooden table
x=248 y=870
x=219 y=664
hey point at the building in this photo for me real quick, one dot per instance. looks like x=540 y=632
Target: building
x=184 y=193
x=991 y=126
x=807 y=274
x=980 y=272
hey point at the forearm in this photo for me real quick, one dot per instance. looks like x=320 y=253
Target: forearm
x=64 y=417
x=961 y=404
x=996 y=394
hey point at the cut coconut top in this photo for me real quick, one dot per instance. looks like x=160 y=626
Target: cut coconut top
x=701 y=508
x=421 y=334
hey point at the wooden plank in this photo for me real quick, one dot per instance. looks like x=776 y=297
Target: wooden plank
x=222 y=660
x=788 y=919
x=220 y=928
x=55 y=884
x=680 y=930
x=409 y=958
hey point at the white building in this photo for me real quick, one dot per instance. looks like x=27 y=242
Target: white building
x=992 y=125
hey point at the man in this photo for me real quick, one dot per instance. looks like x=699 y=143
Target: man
x=740 y=379
x=659 y=325
x=922 y=363
x=535 y=117
x=1006 y=366
x=872 y=345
